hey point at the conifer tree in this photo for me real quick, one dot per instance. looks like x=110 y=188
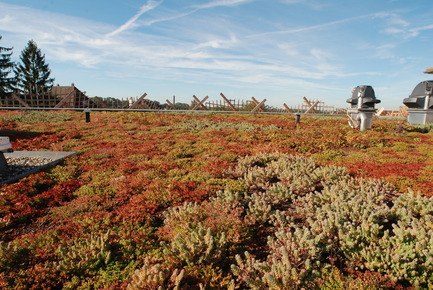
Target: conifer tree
x=33 y=73
x=6 y=67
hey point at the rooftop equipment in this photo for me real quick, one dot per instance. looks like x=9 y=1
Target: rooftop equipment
x=420 y=104
x=362 y=107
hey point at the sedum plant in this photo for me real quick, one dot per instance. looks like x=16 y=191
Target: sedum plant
x=296 y=173
x=326 y=216
x=199 y=125
x=292 y=263
x=12 y=255
x=155 y=275
x=199 y=247
x=84 y=256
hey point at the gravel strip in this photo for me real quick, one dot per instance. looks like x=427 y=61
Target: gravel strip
x=21 y=165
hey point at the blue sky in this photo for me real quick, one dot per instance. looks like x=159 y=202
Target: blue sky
x=281 y=50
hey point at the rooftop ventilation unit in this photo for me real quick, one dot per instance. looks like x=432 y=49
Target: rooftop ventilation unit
x=362 y=107
x=420 y=104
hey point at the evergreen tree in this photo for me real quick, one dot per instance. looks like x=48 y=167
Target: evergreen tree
x=6 y=67
x=33 y=74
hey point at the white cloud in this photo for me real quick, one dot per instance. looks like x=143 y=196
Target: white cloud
x=319 y=54
x=151 y=4
x=394 y=30
x=321 y=26
x=401 y=27
x=217 y=3
x=406 y=32
x=416 y=31
x=392 y=18
x=166 y=18
x=218 y=42
x=85 y=58
x=385 y=51
x=192 y=9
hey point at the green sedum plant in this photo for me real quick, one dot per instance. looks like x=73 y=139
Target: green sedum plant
x=32 y=117
x=81 y=257
x=199 y=125
x=292 y=263
x=155 y=275
x=199 y=247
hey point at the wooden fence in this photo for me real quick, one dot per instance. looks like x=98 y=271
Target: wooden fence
x=72 y=98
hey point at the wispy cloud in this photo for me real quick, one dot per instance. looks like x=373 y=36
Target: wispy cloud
x=191 y=10
x=151 y=4
x=217 y=3
x=195 y=8
x=406 y=32
x=166 y=18
x=312 y=27
x=217 y=43
x=417 y=30
x=393 y=20
x=401 y=27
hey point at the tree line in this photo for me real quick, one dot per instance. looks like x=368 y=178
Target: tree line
x=31 y=75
